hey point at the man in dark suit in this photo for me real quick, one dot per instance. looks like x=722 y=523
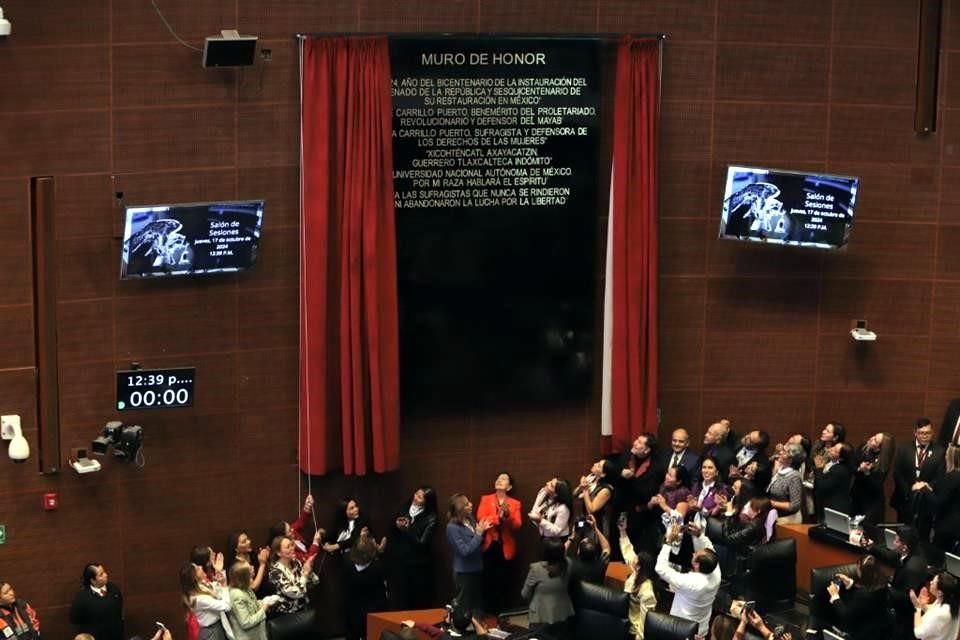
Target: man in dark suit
x=716 y=446
x=98 y=607
x=910 y=574
x=679 y=454
x=917 y=467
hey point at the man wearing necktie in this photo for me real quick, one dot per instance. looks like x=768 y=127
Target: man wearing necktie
x=98 y=607
x=679 y=454
x=918 y=465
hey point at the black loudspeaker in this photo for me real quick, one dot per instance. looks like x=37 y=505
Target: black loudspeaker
x=232 y=51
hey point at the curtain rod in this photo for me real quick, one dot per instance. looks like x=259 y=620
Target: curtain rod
x=518 y=36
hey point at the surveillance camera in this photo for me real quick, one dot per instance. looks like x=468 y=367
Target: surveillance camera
x=5 y=26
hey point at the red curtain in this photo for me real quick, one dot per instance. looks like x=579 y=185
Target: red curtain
x=349 y=363
x=633 y=371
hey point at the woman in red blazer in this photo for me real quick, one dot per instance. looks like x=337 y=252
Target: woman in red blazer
x=499 y=543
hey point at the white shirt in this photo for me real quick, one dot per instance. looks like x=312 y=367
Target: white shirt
x=102 y=591
x=346 y=533
x=694 y=591
x=208 y=608
x=936 y=624
x=554 y=517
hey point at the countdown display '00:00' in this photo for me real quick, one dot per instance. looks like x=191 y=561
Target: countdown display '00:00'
x=167 y=398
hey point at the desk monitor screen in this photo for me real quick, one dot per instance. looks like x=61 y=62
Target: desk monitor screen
x=836 y=521
x=890 y=537
x=952 y=563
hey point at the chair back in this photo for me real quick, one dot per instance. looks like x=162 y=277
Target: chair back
x=663 y=626
x=771 y=575
x=601 y=613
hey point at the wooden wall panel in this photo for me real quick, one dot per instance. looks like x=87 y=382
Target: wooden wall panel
x=692 y=20
x=269 y=135
x=507 y=15
x=772 y=73
x=754 y=333
x=770 y=306
x=277 y=80
x=86 y=207
x=877 y=134
x=742 y=133
x=683 y=248
x=175 y=138
x=168 y=74
x=873 y=76
x=758 y=360
x=204 y=320
x=138 y=22
x=53 y=78
x=53 y=23
x=283 y=18
x=792 y=21
x=689 y=74
x=685 y=188
x=54 y=143
x=88 y=267
x=867 y=23
x=16 y=337
x=897 y=192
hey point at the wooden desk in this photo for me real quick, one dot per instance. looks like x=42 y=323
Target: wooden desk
x=378 y=622
x=617 y=574
x=812 y=554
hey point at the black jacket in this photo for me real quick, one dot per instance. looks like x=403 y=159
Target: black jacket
x=904 y=470
x=859 y=612
x=910 y=574
x=946 y=501
x=831 y=489
x=100 y=616
x=866 y=492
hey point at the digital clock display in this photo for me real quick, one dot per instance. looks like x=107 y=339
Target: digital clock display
x=155 y=388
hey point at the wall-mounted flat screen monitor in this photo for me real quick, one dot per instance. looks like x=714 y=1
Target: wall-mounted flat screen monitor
x=788 y=207
x=190 y=239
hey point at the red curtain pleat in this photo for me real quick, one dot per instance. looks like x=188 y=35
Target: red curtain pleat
x=349 y=362
x=634 y=242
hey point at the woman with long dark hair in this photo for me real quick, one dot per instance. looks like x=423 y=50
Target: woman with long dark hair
x=856 y=600
x=240 y=548
x=348 y=524
x=552 y=508
x=409 y=551
x=871 y=465
x=545 y=588
x=18 y=620
x=937 y=609
x=205 y=599
x=946 y=498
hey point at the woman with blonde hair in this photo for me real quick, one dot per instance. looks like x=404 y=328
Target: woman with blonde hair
x=465 y=536
x=248 y=616
x=946 y=497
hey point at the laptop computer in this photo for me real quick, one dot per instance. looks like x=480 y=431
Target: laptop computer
x=836 y=521
x=952 y=563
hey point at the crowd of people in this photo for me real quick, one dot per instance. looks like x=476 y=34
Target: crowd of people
x=650 y=506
